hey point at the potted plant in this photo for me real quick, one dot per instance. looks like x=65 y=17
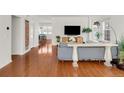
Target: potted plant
x=121 y=48
x=58 y=38
x=87 y=31
x=98 y=35
x=120 y=65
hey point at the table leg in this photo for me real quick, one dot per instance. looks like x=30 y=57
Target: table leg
x=108 y=56
x=75 y=57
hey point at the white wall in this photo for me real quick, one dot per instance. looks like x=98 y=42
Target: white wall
x=5 y=40
x=18 y=35
x=33 y=31
x=36 y=34
x=35 y=20
x=117 y=22
x=60 y=22
x=31 y=35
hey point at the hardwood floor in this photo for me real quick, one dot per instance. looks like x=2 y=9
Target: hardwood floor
x=42 y=61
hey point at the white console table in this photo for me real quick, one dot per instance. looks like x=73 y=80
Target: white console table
x=107 y=55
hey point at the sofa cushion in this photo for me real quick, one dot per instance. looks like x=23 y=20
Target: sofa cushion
x=79 y=40
x=65 y=39
x=63 y=44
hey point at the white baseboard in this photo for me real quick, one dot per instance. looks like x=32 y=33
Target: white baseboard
x=6 y=63
x=27 y=51
x=21 y=53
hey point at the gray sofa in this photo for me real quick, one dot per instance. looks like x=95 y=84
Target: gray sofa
x=84 y=53
x=64 y=52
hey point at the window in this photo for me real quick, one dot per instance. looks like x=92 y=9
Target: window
x=107 y=35
x=106 y=30
x=103 y=28
x=45 y=30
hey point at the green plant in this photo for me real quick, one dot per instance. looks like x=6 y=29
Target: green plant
x=121 y=44
x=58 y=38
x=87 y=30
x=98 y=34
x=121 y=48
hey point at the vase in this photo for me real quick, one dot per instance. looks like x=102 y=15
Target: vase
x=87 y=37
x=58 y=40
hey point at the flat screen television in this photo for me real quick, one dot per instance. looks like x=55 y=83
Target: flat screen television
x=72 y=30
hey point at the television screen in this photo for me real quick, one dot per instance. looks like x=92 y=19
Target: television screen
x=72 y=30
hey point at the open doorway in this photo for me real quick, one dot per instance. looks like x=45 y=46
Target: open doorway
x=45 y=32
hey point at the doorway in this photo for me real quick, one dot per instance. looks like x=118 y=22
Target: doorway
x=45 y=32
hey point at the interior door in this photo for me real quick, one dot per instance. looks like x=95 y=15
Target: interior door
x=26 y=35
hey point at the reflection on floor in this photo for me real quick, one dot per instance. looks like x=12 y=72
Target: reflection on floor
x=47 y=49
x=42 y=61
